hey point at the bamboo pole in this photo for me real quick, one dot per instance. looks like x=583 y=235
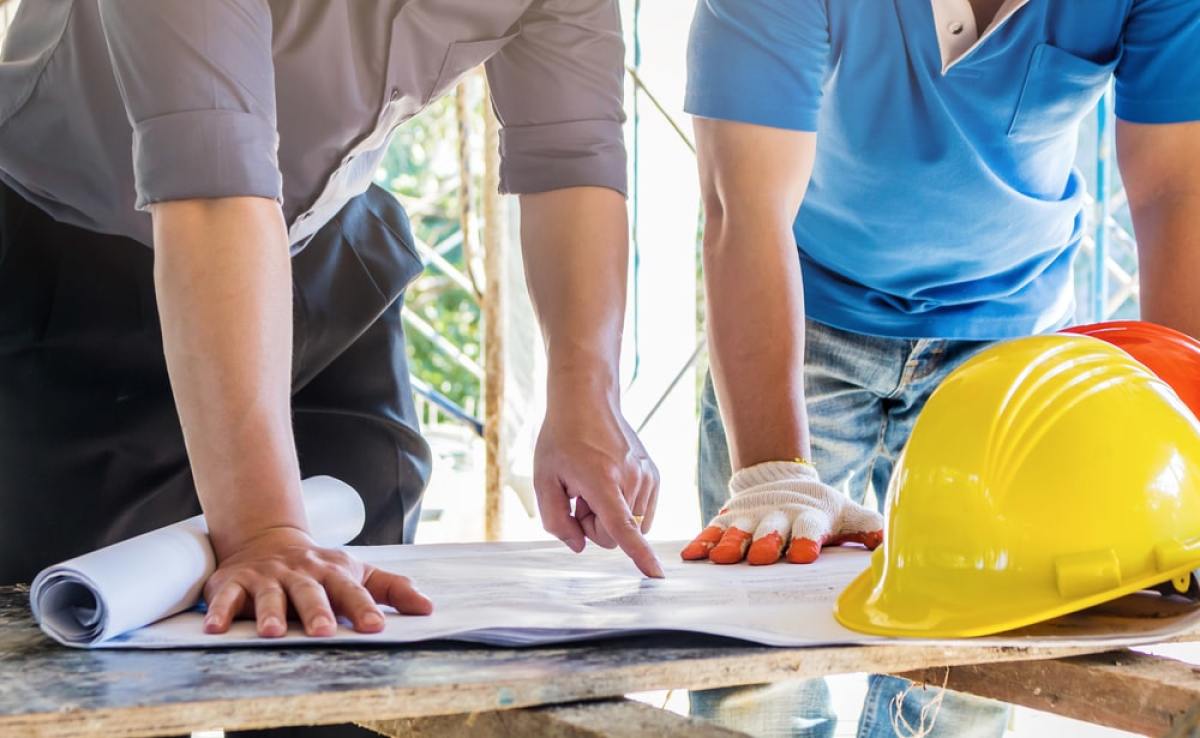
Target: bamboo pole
x=493 y=325
x=466 y=186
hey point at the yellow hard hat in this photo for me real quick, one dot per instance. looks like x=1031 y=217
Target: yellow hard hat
x=1044 y=476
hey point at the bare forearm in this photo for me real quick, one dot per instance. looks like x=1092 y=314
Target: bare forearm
x=223 y=284
x=753 y=179
x=1168 y=234
x=1160 y=165
x=756 y=340
x=576 y=253
x=576 y=250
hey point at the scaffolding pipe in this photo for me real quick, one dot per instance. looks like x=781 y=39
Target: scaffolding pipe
x=1104 y=145
x=493 y=327
x=439 y=262
x=440 y=342
x=466 y=187
x=445 y=404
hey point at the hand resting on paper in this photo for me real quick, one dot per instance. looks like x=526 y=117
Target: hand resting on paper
x=782 y=506
x=283 y=566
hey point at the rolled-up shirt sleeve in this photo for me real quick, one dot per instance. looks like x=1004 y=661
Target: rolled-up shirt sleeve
x=558 y=93
x=198 y=83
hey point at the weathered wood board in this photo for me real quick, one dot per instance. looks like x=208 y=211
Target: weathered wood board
x=48 y=690
x=618 y=718
x=1121 y=689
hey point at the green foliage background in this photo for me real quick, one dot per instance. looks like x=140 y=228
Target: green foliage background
x=422 y=169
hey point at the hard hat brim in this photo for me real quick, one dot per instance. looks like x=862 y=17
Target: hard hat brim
x=941 y=620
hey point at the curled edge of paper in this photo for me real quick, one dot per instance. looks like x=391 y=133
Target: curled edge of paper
x=74 y=609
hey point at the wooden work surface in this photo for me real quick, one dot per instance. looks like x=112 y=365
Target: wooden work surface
x=49 y=690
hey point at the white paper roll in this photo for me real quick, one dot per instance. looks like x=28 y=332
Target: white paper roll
x=102 y=594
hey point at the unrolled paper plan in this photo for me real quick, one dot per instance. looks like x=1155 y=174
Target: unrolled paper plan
x=522 y=594
x=94 y=597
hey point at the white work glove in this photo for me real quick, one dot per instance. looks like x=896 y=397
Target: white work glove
x=778 y=501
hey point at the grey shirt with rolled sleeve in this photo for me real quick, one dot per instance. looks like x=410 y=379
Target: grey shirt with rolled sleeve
x=108 y=106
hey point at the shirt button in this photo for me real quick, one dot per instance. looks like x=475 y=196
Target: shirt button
x=306 y=216
x=395 y=94
x=955 y=28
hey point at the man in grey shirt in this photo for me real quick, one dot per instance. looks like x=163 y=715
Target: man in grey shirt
x=201 y=286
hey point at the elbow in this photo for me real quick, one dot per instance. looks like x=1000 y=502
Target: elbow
x=715 y=234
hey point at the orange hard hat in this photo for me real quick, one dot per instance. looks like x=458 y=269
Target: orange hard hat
x=1173 y=356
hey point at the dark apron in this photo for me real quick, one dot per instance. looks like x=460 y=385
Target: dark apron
x=90 y=445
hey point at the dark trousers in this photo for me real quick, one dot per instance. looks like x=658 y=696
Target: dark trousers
x=90 y=445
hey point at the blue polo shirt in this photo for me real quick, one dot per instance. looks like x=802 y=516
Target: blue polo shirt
x=943 y=200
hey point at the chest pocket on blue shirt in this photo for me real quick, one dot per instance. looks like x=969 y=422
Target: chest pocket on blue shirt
x=1060 y=88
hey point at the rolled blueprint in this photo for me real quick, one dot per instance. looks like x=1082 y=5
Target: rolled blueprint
x=102 y=594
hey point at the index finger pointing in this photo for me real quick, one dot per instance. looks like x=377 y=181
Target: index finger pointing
x=614 y=514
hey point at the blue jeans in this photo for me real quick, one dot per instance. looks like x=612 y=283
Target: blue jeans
x=864 y=394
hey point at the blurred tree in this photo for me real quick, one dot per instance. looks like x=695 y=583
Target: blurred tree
x=422 y=169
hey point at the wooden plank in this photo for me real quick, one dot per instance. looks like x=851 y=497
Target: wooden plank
x=605 y=719
x=55 y=692
x=1120 y=689
x=493 y=327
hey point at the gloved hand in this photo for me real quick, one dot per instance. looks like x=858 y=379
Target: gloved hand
x=780 y=500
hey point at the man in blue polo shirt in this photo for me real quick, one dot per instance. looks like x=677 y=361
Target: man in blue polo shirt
x=918 y=155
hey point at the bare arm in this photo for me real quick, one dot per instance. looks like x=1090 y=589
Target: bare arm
x=1160 y=165
x=753 y=180
x=222 y=277
x=575 y=245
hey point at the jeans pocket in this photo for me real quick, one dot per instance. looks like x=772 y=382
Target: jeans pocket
x=384 y=242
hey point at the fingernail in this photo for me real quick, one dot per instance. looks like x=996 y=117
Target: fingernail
x=656 y=570
x=321 y=622
x=372 y=620
x=272 y=624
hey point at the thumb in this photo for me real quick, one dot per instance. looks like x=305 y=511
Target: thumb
x=859 y=519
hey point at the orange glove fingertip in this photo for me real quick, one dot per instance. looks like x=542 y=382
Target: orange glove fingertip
x=766 y=550
x=732 y=547
x=702 y=544
x=803 y=551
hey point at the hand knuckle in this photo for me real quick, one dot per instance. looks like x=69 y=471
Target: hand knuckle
x=340 y=558
x=268 y=589
x=312 y=557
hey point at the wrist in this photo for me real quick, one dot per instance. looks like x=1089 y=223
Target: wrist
x=242 y=511
x=573 y=380
x=773 y=473
x=285 y=534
